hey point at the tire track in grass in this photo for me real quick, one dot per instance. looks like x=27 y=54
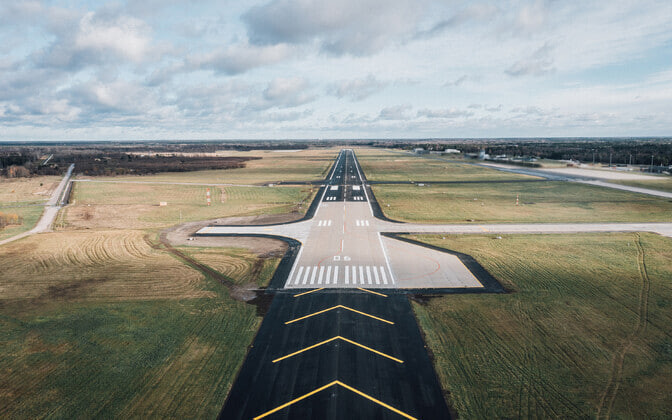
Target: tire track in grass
x=614 y=382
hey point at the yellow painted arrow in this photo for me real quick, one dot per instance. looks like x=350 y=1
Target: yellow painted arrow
x=338 y=337
x=330 y=384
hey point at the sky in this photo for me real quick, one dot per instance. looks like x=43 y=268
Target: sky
x=303 y=69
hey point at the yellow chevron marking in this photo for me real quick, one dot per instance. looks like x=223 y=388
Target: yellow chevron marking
x=346 y=386
x=338 y=337
x=310 y=291
x=336 y=307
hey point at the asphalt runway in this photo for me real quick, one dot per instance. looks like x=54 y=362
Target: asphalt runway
x=337 y=354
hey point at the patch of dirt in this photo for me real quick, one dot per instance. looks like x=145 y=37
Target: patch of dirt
x=179 y=235
x=108 y=216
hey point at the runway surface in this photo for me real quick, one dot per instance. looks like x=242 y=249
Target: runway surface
x=340 y=340
x=335 y=354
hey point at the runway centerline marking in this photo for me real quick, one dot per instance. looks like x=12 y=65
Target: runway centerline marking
x=337 y=307
x=330 y=384
x=338 y=337
x=310 y=291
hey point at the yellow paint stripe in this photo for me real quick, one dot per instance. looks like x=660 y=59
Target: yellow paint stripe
x=371 y=291
x=310 y=291
x=306 y=349
x=330 y=384
x=338 y=337
x=368 y=397
x=380 y=353
x=287 y=404
x=336 y=307
x=484 y=229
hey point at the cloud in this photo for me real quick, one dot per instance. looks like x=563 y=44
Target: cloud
x=444 y=113
x=283 y=93
x=537 y=64
x=398 y=112
x=97 y=38
x=239 y=58
x=358 y=89
x=475 y=12
x=356 y=27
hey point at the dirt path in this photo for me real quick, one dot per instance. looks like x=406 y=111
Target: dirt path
x=614 y=382
x=50 y=210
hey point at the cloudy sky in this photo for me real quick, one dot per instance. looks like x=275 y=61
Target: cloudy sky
x=152 y=69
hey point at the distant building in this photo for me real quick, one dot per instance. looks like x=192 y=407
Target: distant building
x=419 y=150
x=482 y=155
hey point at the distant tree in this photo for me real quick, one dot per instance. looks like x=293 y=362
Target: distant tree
x=16 y=171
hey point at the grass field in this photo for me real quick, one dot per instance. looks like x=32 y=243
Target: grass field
x=662 y=184
x=240 y=265
x=24 y=197
x=30 y=214
x=27 y=190
x=102 y=324
x=123 y=206
x=383 y=165
x=273 y=167
x=540 y=202
x=586 y=329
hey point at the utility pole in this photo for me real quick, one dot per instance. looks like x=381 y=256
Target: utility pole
x=630 y=164
x=593 y=157
x=651 y=164
x=610 y=160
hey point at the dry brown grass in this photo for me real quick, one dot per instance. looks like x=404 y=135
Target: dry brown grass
x=116 y=265
x=27 y=189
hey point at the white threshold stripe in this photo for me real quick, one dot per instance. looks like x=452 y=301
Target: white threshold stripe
x=382 y=271
x=335 y=274
x=298 y=275
x=361 y=274
x=375 y=274
x=312 y=278
x=354 y=274
x=347 y=275
x=319 y=279
x=368 y=274
x=305 y=277
x=328 y=275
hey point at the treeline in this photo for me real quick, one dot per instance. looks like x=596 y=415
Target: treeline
x=126 y=164
x=621 y=151
x=7 y=219
x=24 y=162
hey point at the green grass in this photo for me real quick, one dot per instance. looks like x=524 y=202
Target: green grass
x=661 y=184
x=30 y=214
x=382 y=165
x=80 y=357
x=540 y=202
x=548 y=348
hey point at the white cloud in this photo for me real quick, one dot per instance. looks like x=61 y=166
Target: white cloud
x=124 y=36
x=358 y=89
x=236 y=59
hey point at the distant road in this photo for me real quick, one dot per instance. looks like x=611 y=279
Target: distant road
x=50 y=210
x=583 y=176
